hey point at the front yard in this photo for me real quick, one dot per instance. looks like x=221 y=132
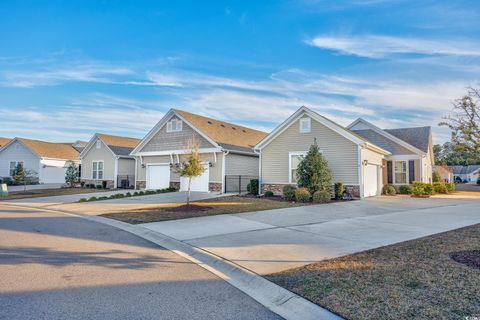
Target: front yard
x=436 y=277
x=210 y=207
x=47 y=193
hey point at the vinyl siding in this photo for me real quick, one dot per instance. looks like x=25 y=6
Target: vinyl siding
x=236 y=164
x=341 y=153
x=215 y=171
x=126 y=166
x=99 y=154
x=18 y=152
x=165 y=141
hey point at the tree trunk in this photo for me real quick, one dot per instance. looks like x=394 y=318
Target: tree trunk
x=188 y=194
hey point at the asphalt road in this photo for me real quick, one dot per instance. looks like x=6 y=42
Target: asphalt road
x=54 y=266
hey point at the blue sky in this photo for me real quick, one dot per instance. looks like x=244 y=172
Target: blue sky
x=69 y=69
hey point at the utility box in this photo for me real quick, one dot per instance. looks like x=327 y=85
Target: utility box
x=3 y=190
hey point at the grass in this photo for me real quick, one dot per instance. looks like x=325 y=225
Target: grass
x=411 y=280
x=47 y=193
x=223 y=205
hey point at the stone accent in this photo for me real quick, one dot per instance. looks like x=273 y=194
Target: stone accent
x=141 y=185
x=110 y=183
x=175 y=184
x=354 y=190
x=277 y=189
x=215 y=187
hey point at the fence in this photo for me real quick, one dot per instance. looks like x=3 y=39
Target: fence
x=125 y=181
x=237 y=183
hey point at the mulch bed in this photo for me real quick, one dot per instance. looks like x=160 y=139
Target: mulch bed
x=470 y=258
x=189 y=208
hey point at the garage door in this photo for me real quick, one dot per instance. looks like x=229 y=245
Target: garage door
x=158 y=176
x=53 y=175
x=198 y=184
x=370 y=181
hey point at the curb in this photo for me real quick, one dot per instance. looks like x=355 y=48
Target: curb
x=275 y=298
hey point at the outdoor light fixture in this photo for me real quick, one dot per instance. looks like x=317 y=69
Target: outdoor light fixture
x=210 y=164
x=365 y=162
x=143 y=165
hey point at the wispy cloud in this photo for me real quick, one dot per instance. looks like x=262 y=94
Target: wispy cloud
x=379 y=46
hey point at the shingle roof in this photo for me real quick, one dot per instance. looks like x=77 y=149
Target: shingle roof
x=382 y=141
x=419 y=137
x=4 y=141
x=52 y=150
x=121 y=146
x=464 y=169
x=224 y=133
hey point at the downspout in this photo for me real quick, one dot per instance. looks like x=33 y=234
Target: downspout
x=225 y=153
x=259 y=152
x=115 y=174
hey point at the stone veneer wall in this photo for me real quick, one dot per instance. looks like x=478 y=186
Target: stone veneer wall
x=141 y=185
x=175 y=184
x=212 y=186
x=110 y=183
x=215 y=187
x=277 y=189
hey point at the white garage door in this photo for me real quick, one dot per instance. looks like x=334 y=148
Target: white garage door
x=53 y=175
x=198 y=184
x=158 y=176
x=370 y=181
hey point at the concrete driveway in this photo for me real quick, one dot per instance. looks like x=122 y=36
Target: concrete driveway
x=276 y=240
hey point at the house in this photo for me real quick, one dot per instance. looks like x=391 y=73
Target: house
x=226 y=150
x=3 y=141
x=411 y=151
x=467 y=174
x=353 y=160
x=445 y=172
x=107 y=158
x=48 y=160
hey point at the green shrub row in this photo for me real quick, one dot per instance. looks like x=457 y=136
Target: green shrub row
x=292 y=193
x=419 y=189
x=127 y=195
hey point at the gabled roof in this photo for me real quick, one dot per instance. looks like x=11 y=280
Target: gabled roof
x=224 y=133
x=418 y=137
x=49 y=150
x=350 y=135
x=464 y=169
x=4 y=141
x=118 y=145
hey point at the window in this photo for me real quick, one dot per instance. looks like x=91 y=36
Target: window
x=174 y=125
x=98 y=144
x=305 y=124
x=13 y=166
x=400 y=172
x=294 y=160
x=97 y=170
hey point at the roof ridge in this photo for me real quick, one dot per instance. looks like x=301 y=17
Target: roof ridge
x=112 y=135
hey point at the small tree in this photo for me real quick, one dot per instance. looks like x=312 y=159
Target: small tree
x=23 y=176
x=313 y=172
x=192 y=166
x=71 y=175
x=436 y=177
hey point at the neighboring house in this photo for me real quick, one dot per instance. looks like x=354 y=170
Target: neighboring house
x=468 y=174
x=47 y=159
x=411 y=151
x=3 y=141
x=107 y=158
x=445 y=172
x=226 y=150
x=353 y=160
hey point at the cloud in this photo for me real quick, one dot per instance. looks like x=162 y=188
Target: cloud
x=378 y=46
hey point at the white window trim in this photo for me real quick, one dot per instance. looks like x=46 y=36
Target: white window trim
x=407 y=178
x=178 y=125
x=103 y=170
x=98 y=144
x=309 y=121
x=290 y=154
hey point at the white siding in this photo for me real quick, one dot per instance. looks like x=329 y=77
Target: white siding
x=18 y=152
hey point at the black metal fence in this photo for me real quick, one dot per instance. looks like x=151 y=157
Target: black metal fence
x=125 y=181
x=237 y=183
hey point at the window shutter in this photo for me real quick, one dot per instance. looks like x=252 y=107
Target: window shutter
x=389 y=172
x=411 y=171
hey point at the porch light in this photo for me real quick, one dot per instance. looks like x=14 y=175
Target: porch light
x=365 y=162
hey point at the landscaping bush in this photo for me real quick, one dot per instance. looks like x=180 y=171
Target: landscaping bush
x=82 y=184
x=141 y=193
x=404 y=189
x=450 y=186
x=99 y=186
x=458 y=179
x=104 y=184
x=289 y=193
x=313 y=172
x=128 y=194
x=440 y=187
x=135 y=193
x=339 y=190
x=302 y=195
x=269 y=194
x=322 y=196
x=92 y=199
x=103 y=198
x=252 y=187
x=436 y=177
x=421 y=189
x=389 y=190
x=82 y=200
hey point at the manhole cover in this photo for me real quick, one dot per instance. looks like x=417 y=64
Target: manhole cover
x=469 y=258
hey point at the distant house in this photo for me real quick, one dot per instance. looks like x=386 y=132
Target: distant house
x=107 y=158
x=47 y=159
x=467 y=174
x=4 y=141
x=445 y=172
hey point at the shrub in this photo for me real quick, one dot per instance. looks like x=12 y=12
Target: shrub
x=141 y=193
x=135 y=193
x=313 y=172
x=339 y=190
x=436 y=177
x=322 y=196
x=92 y=199
x=420 y=189
x=99 y=186
x=82 y=200
x=389 y=190
x=103 y=198
x=104 y=184
x=268 y=194
x=82 y=184
x=302 y=195
x=457 y=179
x=289 y=193
x=128 y=194
x=450 y=186
x=252 y=187
x=429 y=189
x=440 y=187
x=171 y=189
x=404 y=189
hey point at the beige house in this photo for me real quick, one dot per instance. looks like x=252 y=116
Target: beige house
x=445 y=172
x=226 y=151
x=353 y=160
x=411 y=149
x=107 y=158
